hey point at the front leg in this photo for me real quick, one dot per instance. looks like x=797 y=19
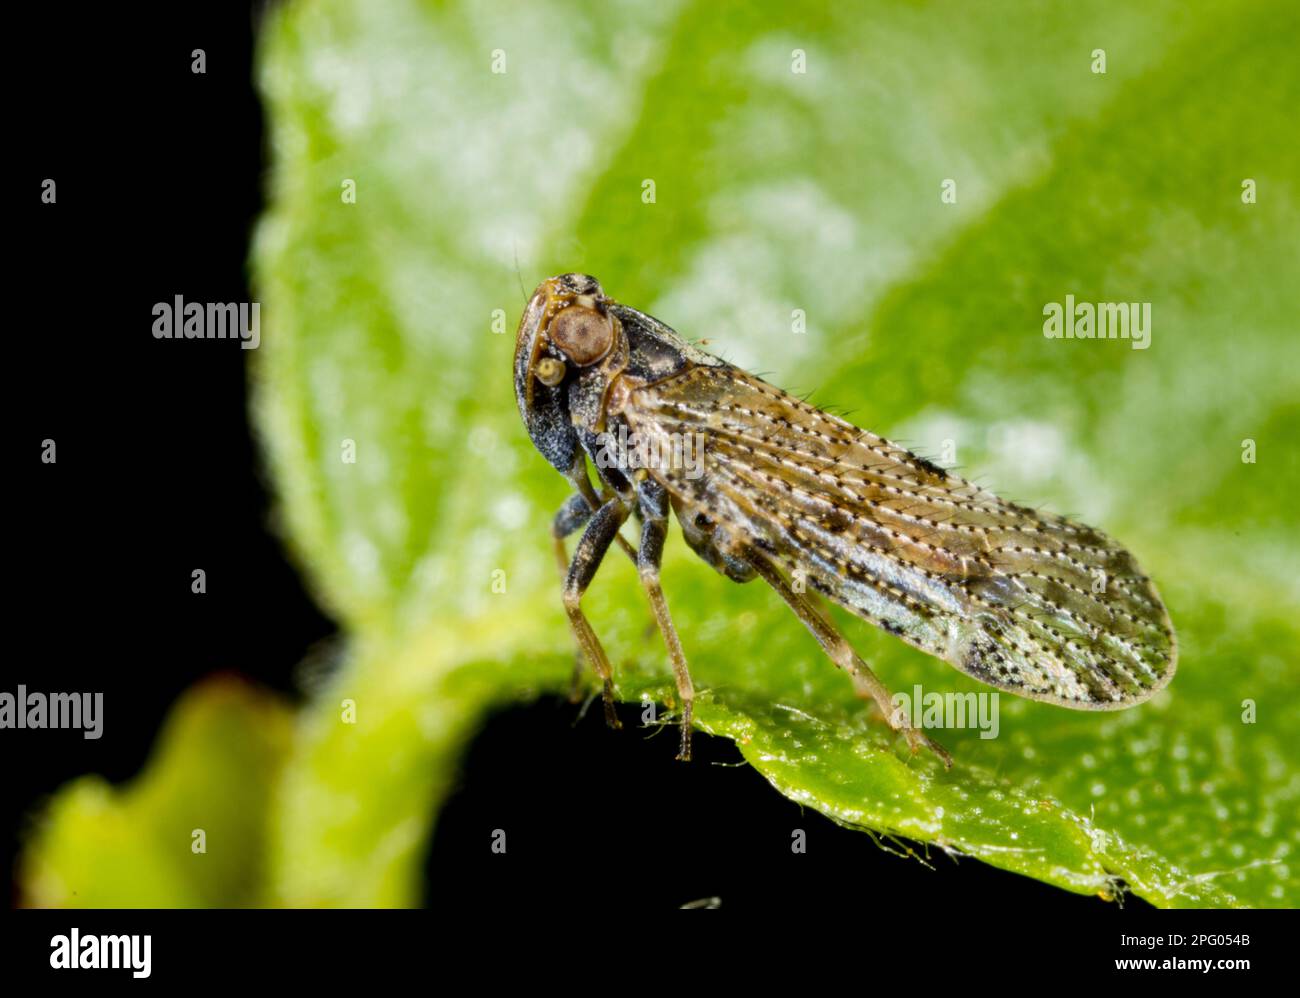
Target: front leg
x=575 y=513
x=577 y=477
x=571 y=516
x=596 y=539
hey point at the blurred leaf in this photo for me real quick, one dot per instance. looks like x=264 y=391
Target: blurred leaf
x=775 y=191
x=214 y=769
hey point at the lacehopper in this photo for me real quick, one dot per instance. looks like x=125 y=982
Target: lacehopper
x=785 y=492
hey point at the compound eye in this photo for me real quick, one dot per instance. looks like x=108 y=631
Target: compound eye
x=583 y=334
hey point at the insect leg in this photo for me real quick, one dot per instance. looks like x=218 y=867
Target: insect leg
x=865 y=682
x=577 y=477
x=596 y=539
x=572 y=515
x=654 y=527
x=575 y=512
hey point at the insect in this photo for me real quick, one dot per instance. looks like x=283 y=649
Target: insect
x=765 y=485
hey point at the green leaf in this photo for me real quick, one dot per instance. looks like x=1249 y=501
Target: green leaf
x=776 y=190
x=213 y=772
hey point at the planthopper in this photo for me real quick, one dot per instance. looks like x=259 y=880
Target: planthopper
x=765 y=485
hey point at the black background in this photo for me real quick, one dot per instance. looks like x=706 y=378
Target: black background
x=160 y=177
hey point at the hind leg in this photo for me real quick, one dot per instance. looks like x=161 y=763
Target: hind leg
x=865 y=682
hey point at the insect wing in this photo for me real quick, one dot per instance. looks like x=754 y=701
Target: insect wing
x=1028 y=602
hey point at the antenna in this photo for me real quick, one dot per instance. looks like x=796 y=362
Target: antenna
x=519 y=277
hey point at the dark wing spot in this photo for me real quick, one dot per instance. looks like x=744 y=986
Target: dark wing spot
x=925 y=464
x=976 y=658
x=836 y=521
